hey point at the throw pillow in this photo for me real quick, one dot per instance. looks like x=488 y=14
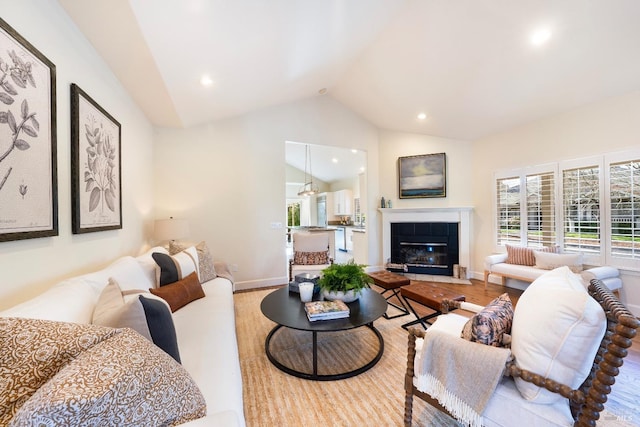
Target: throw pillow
x=492 y=324
x=181 y=293
x=311 y=258
x=122 y=380
x=176 y=267
x=556 y=332
x=550 y=261
x=33 y=351
x=521 y=255
x=146 y=314
x=205 y=259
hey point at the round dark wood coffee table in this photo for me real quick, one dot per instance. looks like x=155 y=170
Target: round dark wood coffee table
x=285 y=309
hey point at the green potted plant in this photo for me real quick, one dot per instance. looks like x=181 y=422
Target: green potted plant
x=344 y=281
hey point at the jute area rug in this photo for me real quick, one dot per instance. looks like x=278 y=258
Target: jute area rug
x=373 y=398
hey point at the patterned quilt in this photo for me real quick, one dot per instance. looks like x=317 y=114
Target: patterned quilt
x=64 y=374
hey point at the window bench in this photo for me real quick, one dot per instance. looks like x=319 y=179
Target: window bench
x=496 y=265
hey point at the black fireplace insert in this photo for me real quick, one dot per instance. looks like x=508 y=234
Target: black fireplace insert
x=424 y=247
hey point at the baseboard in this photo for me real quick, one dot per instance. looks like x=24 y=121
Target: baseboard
x=261 y=283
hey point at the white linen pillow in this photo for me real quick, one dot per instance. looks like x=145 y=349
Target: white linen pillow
x=556 y=332
x=129 y=274
x=145 y=313
x=550 y=261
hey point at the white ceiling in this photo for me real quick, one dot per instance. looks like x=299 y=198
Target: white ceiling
x=467 y=64
x=327 y=163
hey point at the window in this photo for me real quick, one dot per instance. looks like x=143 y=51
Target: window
x=525 y=207
x=541 y=208
x=624 y=189
x=581 y=210
x=293 y=214
x=597 y=212
x=508 y=206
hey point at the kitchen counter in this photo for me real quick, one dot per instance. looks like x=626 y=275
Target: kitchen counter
x=314 y=228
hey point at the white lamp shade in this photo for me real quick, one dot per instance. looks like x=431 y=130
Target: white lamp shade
x=170 y=229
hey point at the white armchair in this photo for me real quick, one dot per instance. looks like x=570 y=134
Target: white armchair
x=310 y=253
x=563 y=363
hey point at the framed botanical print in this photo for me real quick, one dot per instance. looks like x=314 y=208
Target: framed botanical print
x=422 y=176
x=96 y=193
x=28 y=174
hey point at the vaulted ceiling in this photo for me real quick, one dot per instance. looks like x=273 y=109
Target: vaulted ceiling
x=469 y=65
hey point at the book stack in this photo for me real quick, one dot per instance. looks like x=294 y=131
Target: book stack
x=326 y=310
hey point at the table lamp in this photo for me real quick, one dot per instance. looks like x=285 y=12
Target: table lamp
x=170 y=229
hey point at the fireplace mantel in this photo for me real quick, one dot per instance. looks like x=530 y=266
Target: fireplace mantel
x=461 y=215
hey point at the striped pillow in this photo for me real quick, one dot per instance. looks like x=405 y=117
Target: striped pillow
x=520 y=255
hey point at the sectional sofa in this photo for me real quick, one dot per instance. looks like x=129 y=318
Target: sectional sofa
x=204 y=331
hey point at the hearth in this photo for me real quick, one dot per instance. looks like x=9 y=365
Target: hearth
x=424 y=247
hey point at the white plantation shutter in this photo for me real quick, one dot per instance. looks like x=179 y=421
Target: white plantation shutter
x=624 y=188
x=541 y=207
x=581 y=210
x=508 y=210
x=589 y=205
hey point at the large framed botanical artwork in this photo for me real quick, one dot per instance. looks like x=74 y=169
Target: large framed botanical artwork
x=28 y=176
x=96 y=189
x=422 y=176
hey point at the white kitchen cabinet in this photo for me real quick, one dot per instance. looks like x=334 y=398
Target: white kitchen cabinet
x=360 y=250
x=343 y=202
x=349 y=237
x=329 y=207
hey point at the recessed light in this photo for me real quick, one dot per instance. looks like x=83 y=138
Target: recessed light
x=205 y=80
x=322 y=91
x=540 y=36
x=422 y=116
x=334 y=160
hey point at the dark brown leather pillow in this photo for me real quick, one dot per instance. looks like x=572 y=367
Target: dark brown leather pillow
x=180 y=293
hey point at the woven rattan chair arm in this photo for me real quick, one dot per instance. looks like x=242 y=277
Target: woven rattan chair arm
x=416 y=332
x=448 y=305
x=562 y=389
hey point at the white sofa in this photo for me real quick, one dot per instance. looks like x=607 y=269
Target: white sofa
x=497 y=265
x=205 y=328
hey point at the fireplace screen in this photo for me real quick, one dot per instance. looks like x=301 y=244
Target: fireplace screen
x=424 y=254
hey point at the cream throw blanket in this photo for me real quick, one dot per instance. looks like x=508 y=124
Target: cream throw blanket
x=460 y=374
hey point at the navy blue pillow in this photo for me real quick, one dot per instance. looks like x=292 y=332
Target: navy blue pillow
x=168 y=269
x=160 y=324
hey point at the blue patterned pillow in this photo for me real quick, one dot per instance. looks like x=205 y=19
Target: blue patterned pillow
x=491 y=324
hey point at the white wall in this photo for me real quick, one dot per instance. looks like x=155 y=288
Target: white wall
x=458 y=165
x=29 y=266
x=607 y=126
x=228 y=179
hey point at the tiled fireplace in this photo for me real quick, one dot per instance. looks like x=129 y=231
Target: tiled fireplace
x=427 y=240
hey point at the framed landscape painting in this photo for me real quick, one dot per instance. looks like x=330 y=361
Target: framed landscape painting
x=422 y=176
x=96 y=194
x=28 y=175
